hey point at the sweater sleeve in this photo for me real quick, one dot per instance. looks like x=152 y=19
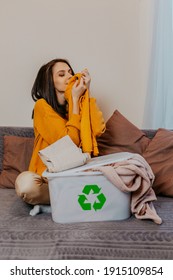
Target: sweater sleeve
x=52 y=126
x=97 y=120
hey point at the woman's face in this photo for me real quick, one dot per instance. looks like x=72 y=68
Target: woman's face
x=61 y=73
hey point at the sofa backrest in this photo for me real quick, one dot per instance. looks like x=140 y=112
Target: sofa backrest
x=29 y=132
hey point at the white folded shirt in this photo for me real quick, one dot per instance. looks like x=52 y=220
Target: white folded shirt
x=63 y=155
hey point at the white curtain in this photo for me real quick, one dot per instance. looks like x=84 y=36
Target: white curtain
x=159 y=101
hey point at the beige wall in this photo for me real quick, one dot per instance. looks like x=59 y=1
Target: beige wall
x=112 y=38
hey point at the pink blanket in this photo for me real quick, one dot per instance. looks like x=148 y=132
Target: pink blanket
x=134 y=175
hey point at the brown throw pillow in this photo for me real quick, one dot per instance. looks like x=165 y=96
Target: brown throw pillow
x=159 y=155
x=121 y=136
x=17 y=155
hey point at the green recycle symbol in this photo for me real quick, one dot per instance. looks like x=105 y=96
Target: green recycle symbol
x=83 y=200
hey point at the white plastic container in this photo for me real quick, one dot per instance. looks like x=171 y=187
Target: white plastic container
x=80 y=196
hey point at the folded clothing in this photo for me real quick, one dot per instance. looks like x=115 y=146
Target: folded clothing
x=62 y=155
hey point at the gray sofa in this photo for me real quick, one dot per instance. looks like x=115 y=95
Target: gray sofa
x=25 y=237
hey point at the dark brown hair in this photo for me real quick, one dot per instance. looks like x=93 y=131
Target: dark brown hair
x=43 y=86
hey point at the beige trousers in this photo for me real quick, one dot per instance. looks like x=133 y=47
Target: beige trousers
x=32 y=188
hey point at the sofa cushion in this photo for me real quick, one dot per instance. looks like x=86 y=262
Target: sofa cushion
x=121 y=136
x=159 y=154
x=16 y=158
x=16 y=131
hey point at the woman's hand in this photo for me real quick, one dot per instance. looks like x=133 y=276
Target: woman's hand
x=78 y=89
x=86 y=78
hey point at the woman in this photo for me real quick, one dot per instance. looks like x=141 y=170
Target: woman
x=52 y=122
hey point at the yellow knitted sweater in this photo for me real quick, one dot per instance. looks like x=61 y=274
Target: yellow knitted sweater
x=92 y=122
x=49 y=127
